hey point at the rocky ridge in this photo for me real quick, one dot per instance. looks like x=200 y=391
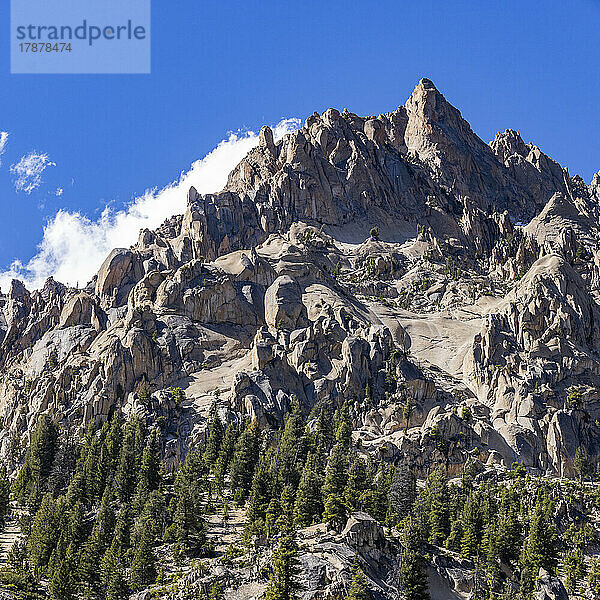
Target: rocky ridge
x=477 y=290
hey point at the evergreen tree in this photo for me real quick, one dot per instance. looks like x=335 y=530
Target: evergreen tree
x=336 y=474
x=291 y=448
x=335 y=513
x=143 y=565
x=594 y=575
x=225 y=456
x=216 y=592
x=244 y=461
x=581 y=463
x=309 y=504
x=4 y=495
x=471 y=528
x=574 y=568
x=63 y=465
x=272 y=518
x=402 y=494
x=98 y=541
x=33 y=476
x=285 y=522
x=435 y=499
x=508 y=531
x=126 y=475
x=94 y=477
x=491 y=560
x=343 y=425
x=283 y=583
x=114 y=581
x=42 y=537
x=413 y=574
x=356 y=483
x=454 y=539
x=150 y=468
x=215 y=438
x=260 y=494
x=76 y=529
x=539 y=548
x=359 y=589
x=407 y=412
x=62 y=584
x=188 y=529
x=324 y=432
x=374 y=499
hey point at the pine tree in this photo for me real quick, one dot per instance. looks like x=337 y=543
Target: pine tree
x=215 y=438
x=188 y=529
x=216 y=592
x=336 y=474
x=76 y=529
x=356 y=483
x=285 y=522
x=260 y=494
x=93 y=475
x=594 y=575
x=225 y=456
x=335 y=513
x=374 y=499
x=471 y=528
x=114 y=442
x=62 y=584
x=42 y=537
x=539 y=548
x=508 y=531
x=33 y=476
x=283 y=583
x=114 y=582
x=343 y=425
x=272 y=518
x=402 y=494
x=413 y=574
x=324 y=432
x=359 y=589
x=407 y=412
x=123 y=529
x=150 y=468
x=98 y=541
x=4 y=495
x=435 y=496
x=574 y=568
x=291 y=449
x=63 y=465
x=309 y=504
x=126 y=475
x=581 y=463
x=143 y=565
x=491 y=560
x=244 y=460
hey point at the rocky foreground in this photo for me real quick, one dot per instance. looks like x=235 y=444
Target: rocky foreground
x=444 y=289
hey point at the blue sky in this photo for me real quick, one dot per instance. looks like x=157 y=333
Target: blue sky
x=223 y=66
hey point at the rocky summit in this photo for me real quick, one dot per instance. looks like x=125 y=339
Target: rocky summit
x=374 y=349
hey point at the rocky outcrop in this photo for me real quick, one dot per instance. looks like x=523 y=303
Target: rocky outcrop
x=385 y=260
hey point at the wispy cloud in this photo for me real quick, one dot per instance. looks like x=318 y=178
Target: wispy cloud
x=3 y=142
x=28 y=171
x=74 y=246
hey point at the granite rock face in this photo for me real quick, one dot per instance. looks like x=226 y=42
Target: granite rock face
x=375 y=260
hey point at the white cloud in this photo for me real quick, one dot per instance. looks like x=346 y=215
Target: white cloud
x=74 y=246
x=59 y=192
x=28 y=171
x=3 y=142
